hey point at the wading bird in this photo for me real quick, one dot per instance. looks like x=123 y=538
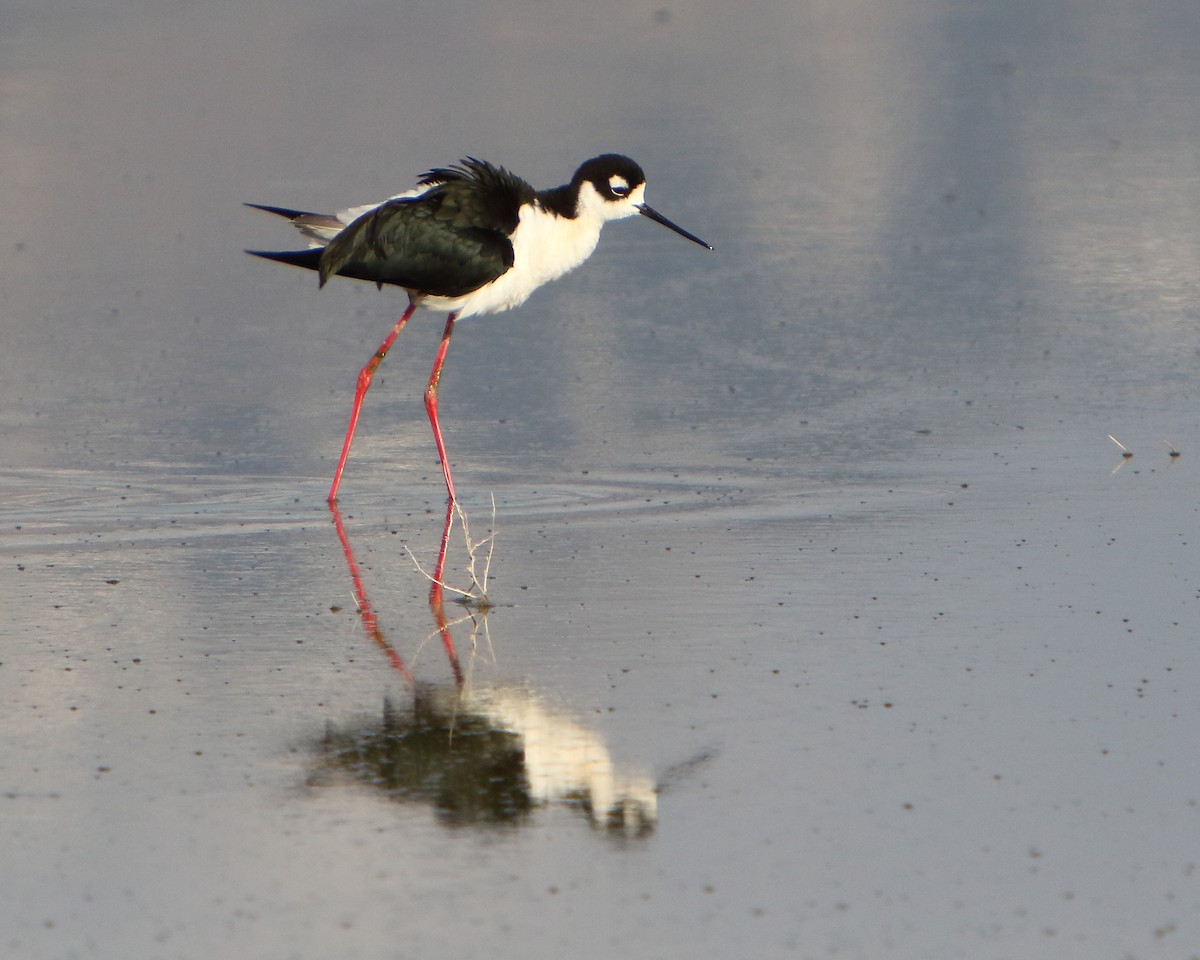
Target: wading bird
x=469 y=239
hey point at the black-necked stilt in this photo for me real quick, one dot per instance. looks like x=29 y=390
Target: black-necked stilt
x=470 y=239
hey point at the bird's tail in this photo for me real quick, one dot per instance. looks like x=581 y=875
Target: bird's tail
x=309 y=259
x=318 y=228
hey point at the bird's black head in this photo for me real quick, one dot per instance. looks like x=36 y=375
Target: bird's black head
x=612 y=187
x=607 y=187
x=615 y=177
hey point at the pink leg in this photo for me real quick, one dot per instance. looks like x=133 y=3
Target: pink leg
x=431 y=407
x=364 y=382
x=431 y=402
x=435 y=589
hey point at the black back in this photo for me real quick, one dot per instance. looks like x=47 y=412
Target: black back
x=448 y=241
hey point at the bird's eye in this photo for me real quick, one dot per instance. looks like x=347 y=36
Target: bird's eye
x=620 y=191
x=619 y=187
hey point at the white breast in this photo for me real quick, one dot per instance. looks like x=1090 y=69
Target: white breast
x=545 y=246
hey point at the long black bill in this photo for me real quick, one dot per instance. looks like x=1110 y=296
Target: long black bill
x=647 y=211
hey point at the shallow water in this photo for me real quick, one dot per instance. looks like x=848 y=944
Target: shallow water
x=829 y=620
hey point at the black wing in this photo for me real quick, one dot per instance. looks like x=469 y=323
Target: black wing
x=450 y=240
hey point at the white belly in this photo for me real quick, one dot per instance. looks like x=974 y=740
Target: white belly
x=544 y=248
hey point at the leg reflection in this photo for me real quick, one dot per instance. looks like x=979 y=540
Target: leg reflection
x=371 y=621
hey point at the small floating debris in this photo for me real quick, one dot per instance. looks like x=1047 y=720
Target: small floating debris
x=1125 y=451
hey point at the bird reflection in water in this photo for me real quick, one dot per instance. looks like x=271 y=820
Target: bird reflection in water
x=486 y=757
x=478 y=755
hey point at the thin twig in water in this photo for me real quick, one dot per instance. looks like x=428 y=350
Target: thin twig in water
x=477 y=594
x=1125 y=451
x=477 y=621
